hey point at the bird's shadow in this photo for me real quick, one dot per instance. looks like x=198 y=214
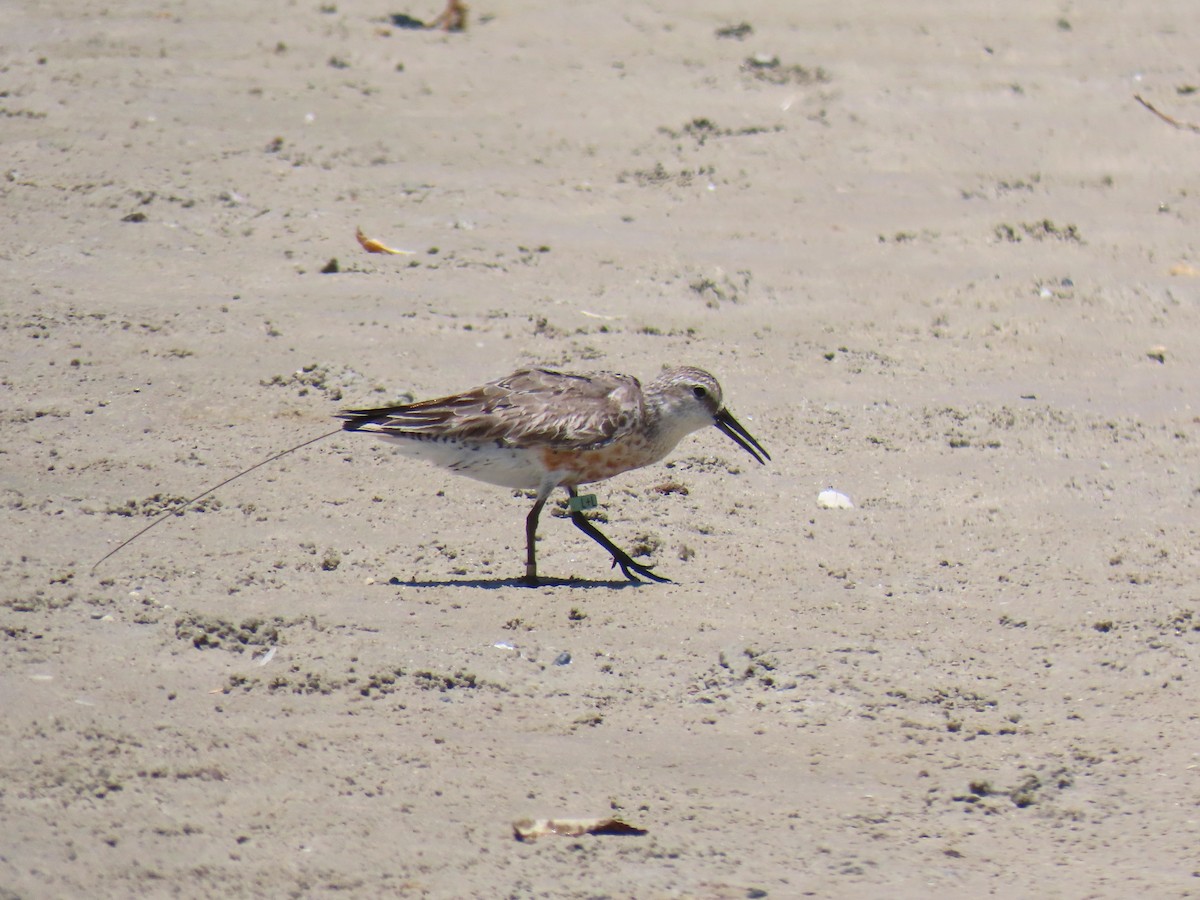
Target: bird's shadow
x=492 y=584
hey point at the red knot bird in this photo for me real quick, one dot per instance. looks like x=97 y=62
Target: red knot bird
x=540 y=430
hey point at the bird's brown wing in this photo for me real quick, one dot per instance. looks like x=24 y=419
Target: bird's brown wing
x=530 y=407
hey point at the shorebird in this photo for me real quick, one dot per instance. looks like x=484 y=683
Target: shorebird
x=539 y=430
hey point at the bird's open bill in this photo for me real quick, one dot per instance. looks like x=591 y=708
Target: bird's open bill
x=725 y=421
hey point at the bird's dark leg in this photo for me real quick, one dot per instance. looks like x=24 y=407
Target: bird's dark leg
x=620 y=557
x=531 y=524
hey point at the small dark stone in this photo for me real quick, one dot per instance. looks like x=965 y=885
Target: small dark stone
x=400 y=20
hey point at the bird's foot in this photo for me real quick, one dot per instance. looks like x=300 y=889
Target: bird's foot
x=627 y=564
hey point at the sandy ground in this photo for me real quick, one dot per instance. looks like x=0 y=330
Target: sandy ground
x=928 y=248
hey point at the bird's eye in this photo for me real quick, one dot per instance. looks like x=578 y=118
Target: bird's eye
x=699 y=392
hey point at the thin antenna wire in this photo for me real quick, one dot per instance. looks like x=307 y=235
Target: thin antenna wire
x=216 y=487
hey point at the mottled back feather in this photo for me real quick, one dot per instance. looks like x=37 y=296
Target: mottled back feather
x=529 y=408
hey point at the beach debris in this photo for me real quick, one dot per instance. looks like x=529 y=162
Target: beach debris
x=1158 y=353
x=452 y=18
x=1170 y=120
x=373 y=246
x=529 y=830
x=831 y=499
x=737 y=32
x=1184 y=269
x=265 y=658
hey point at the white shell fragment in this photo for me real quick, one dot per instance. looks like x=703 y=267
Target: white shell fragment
x=266 y=657
x=831 y=499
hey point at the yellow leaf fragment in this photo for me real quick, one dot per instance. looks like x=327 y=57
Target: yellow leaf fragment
x=373 y=246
